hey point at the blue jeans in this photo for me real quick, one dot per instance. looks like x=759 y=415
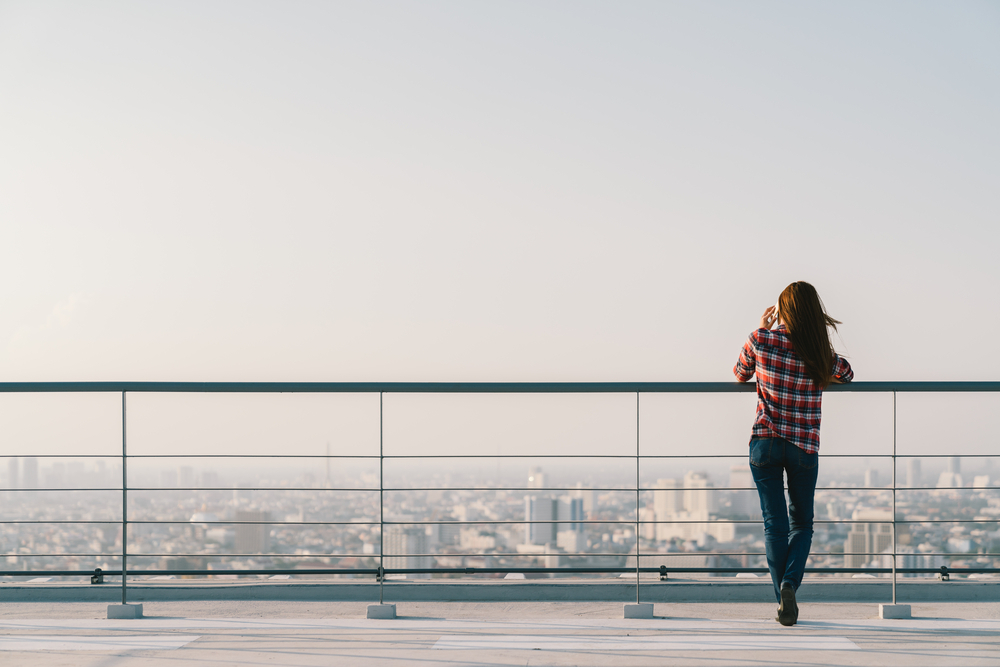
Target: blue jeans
x=786 y=543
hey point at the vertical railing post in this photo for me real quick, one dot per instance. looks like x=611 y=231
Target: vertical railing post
x=381 y=505
x=894 y=497
x=124 y=501
x=637 y=497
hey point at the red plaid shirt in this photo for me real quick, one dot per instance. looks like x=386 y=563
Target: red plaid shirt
x=788 y=401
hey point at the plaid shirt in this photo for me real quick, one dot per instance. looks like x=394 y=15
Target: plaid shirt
x=788 y=401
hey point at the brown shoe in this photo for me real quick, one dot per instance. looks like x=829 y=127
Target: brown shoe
x=788 y=612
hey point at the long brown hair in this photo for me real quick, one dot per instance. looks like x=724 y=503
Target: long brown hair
x=806 y=320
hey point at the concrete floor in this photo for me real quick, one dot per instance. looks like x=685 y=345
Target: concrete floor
x=543 y=633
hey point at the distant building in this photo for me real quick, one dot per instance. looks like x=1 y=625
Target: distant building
x=949 y=479
x=587 y=496
x=540 y=509
x=13 y=467
x=691 y=518
x=699 y=497
x=571 y=541
x=980 y=481
x=913 y=476
x=866 y=541
x=955 y=465
x=871 y=479
x=402 y=541
x=907 y=558
x=253 y=538
x=667 y=501
x=569 y=509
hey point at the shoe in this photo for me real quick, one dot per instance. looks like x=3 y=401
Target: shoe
x=788 y=612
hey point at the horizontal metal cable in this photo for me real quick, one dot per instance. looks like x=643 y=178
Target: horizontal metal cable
x=477 y=570
x=471 y=387
x=631 y=554
x=486 y=522
x=607 y=489
x=252 y=456
x=248 y=488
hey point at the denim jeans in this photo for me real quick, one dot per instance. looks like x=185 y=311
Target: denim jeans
x=786 y=542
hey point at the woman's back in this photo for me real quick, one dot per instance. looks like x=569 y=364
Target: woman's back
x=789 y=403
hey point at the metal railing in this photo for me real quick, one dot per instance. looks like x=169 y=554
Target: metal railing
x=380 y=572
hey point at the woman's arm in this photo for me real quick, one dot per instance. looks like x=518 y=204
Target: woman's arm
x=747 y=363
x=842 y=371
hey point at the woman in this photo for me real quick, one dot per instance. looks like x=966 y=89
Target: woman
x=794 y=363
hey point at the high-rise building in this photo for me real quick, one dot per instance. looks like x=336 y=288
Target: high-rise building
x=536 y=478
x=955 y=465
x=252 y=538
x=949 y=479
x=12 y=473
x=698 y=496
x=587 y=496
x=668 y=501
x=406 y=548
x=690 y=508
x=569 y=509
x=913 y=477
x=540 y=508
x=866 y=541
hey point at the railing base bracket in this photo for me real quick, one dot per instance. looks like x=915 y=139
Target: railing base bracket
x=639 y=610
x=124 y=611
x=894 y=611
x=381 y=611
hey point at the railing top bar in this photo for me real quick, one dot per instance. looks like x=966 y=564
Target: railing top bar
x=470 y=387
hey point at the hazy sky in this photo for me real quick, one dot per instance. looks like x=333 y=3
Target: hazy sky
x=493 y=190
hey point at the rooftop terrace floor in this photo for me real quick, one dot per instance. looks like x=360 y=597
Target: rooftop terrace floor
x=430 y=634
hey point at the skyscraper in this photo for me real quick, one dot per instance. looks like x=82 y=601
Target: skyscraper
x=12 y=470
x=699 y=498
x=913 y=477
x=867 y=540
x=540 y=508
x=401 y=542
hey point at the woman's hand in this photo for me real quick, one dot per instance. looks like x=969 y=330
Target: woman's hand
x=769 y=318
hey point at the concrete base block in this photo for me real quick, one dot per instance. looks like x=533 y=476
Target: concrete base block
x=894 y=611
x=639 y=610
x=124 y=611
x=381 y=611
